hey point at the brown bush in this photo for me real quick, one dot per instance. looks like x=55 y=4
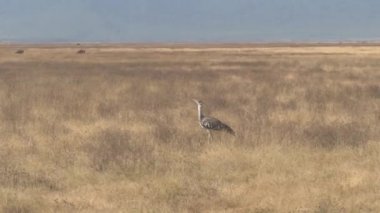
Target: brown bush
x=332 y=135
x=115 y=149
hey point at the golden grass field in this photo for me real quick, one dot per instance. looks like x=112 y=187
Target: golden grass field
x=115 y=129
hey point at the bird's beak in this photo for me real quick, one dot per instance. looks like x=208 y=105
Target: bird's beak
x=195 y=101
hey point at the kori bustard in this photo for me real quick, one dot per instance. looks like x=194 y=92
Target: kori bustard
x=210 y=123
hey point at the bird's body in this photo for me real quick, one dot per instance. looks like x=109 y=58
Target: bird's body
x=210 y=123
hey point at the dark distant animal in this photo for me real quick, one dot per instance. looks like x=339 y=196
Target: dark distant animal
x=81 y=51
x=20 y=51
x=210 y=123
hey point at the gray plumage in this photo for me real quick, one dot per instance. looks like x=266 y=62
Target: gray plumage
x=210 y=123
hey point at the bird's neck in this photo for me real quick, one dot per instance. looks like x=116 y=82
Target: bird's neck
x=200 y=113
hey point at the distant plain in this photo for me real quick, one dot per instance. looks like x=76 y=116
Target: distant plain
x=115 y=129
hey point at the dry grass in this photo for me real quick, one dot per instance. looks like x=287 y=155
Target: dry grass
x=115 y=130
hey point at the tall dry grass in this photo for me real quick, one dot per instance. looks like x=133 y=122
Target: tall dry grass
x=115 y=130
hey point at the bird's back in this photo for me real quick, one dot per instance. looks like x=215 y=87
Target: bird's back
x=215 y=124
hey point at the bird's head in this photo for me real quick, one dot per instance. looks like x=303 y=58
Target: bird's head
x=200 y=103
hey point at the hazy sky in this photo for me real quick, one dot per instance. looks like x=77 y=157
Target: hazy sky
x=189 y=20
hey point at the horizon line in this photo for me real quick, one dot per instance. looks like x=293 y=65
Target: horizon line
x=291 y=42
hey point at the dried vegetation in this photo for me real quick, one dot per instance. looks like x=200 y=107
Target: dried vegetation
x=115 y=130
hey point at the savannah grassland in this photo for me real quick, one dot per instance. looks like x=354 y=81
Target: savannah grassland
x=115 y=130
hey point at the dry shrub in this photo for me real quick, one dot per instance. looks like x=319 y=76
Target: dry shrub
x=16 y=111
x=23 y=202
x=373 y=91
x=164 y=133
x=150 y=97
x=19 y=51
x=266 y=101
x=180 y=140
x=192 y=192
x=289 y=105
x=286 y=132
x=317 y=69
x=317 y=98
x=115 y=149
x=257 y=122
x=328 y=205
x=332 y=135
x=263 y=210
x=108 y=109
x=19 y=206
x=189 y=196
x=13 y=177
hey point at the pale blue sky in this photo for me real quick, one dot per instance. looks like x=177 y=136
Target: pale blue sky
x=189 y=20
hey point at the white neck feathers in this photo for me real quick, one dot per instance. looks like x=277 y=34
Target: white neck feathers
x=200 y=114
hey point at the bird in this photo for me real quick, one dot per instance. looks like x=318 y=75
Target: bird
x=210 y=123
